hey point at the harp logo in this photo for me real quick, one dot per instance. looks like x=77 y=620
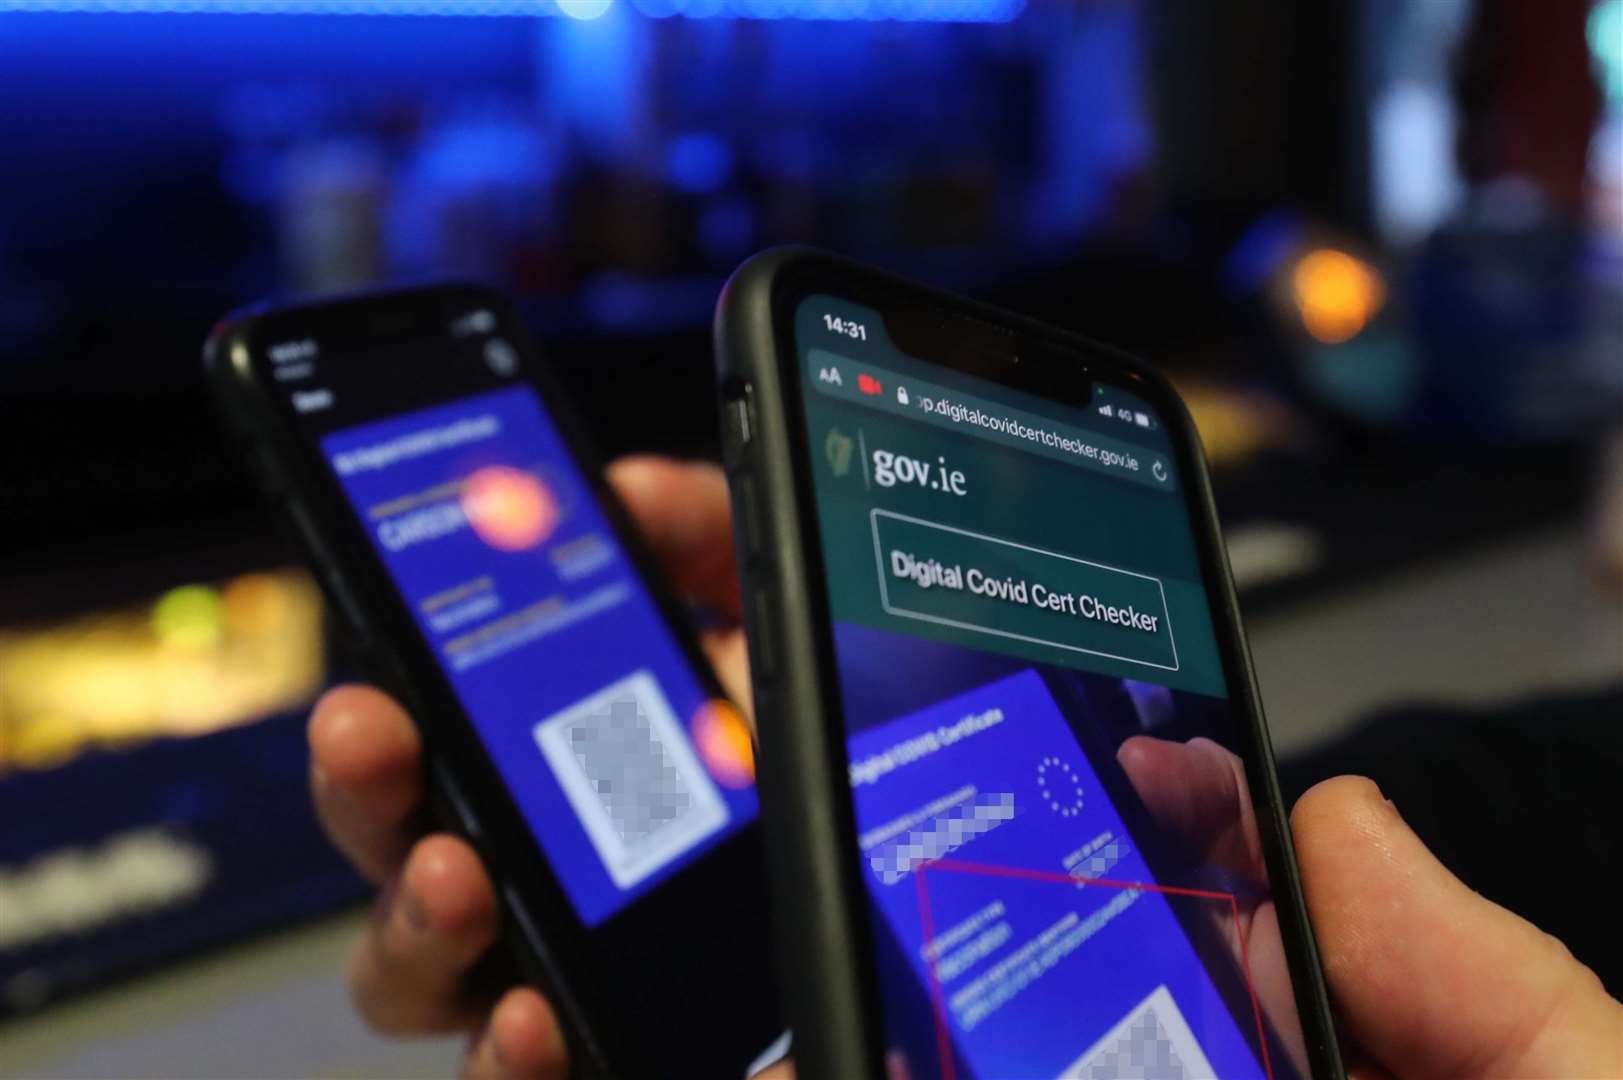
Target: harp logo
x=838 y=449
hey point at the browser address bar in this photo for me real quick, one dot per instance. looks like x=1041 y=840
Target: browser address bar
x=968 y=414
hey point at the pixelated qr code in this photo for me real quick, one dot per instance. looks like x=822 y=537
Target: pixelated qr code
x=628 y=767
x=1152 y=1042
x=629 y=771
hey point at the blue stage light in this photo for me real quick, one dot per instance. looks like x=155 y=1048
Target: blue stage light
x=578 y=9
x=699 y=162
x=585 y=10
x=971 y=11
x=968 y=11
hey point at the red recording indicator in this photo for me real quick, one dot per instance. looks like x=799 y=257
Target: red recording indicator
x=869 y=385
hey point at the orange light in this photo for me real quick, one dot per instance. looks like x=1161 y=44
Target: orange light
x=723 y=740
x=1336 y=293
x=509 y=508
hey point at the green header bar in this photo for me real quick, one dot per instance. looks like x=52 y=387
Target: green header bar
x=861 y=383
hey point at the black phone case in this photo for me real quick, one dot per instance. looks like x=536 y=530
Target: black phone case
x=256 y=432
x=820 y=906
x=466 y=795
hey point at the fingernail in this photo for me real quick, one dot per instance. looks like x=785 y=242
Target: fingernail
x=413 y=908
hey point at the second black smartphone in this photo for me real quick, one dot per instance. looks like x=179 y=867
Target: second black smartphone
x=461 y=524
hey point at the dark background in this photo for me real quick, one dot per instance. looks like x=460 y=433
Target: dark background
x=1377 y=243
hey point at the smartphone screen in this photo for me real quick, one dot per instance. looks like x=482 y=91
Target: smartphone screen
x=1054 y=820
x=625 y=768
x=610 y=787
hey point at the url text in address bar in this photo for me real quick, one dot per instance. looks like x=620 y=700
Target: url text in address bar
x=917 y=399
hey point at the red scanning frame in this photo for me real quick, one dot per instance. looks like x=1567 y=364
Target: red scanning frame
x=927 y=924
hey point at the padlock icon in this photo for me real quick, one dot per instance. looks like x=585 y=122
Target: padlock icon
x=901 y=395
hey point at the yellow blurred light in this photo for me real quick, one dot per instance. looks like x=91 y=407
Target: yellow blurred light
x=197 y=660
x=53 y=740
x=1235 y=424
x=1336 y=293
x=257 y=605
x=189 y=617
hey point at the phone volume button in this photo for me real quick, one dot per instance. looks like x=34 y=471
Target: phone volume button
x=737 y=428
x=751 y=525
x=763 y=636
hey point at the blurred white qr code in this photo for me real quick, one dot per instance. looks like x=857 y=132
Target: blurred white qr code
x=1152 y=1042
x=628 y=770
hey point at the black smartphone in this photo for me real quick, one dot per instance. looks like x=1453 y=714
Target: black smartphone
x=1021 y=810
x=459 y=522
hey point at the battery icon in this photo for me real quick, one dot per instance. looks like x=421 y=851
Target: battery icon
x=1141 y=419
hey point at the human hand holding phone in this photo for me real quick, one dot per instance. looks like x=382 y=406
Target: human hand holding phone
x=1430 y=979
x=979 y=553
x=1376 y=894
x=1394 y=926
x=419 y=448
x=1196 y=790
x=1374 y=891
x=418 y=968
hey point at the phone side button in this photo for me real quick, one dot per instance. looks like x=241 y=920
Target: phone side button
x=750 y=526
x=737 y=427
x=763 y=642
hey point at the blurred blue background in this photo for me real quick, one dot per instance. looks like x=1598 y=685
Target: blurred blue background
x=1378 y=244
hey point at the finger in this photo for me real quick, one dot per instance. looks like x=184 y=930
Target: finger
x=729 y=657
x=1432 y=979
x=366 y=776
x=895 y=1069
x=521 y=1041
x=1367 y=1070
x=783 y=1070
x=1197 y=790
x=427 y=932
x=684 y=515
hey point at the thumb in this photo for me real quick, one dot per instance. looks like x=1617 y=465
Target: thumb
x=1431 y=979
x=682 y=511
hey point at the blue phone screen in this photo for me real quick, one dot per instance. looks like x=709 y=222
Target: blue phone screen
x=1047 y=776
x=623 y=766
